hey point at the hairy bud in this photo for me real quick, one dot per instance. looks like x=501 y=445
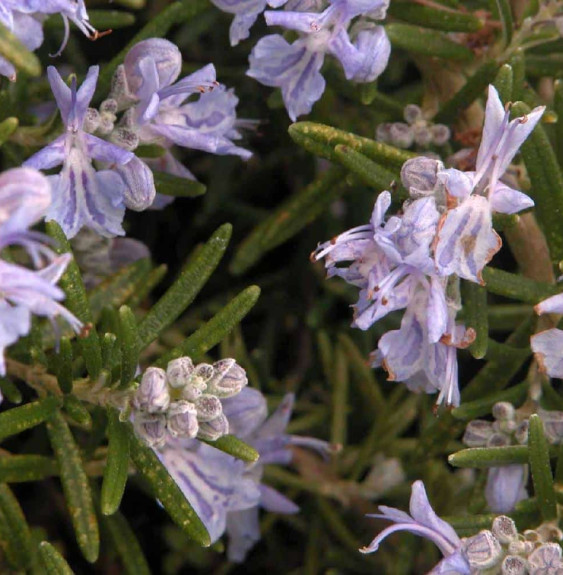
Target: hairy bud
x=182 y=419
x=228 y=378
x=152 y=395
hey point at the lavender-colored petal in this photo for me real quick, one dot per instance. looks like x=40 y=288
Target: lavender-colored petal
x=273 y=501
x=553 y=304
x=506 y=200
x=506 y=486
x=139 y=192
x=454 y=564
x=62 y=93
x=243 y=530
x=48 y=157
x=246 y=411
x=466 y=240
x=495 y=122
x=308 y=22
x=15 y=322
x=437 y=311
x=548 y=346
x=103 y=151
x=293 y=68
x=277 y=422
x=85 y=94
x=240 y=27
x=458 y=184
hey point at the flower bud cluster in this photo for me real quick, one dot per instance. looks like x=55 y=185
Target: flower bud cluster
x=504 y=551
x=510 y=427
x=185 y=400
x=417 y=130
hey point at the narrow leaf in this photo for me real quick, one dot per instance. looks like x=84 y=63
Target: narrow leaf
x=558 y=108
x=7 y=128
x=77 y=302
x=235 y=447
x=53 y=562
x=288 y=219
x=504 y=13
x=484 y=457
x=216 y=329
x=547 y=184
x=430 y=17
x=117 y=465
x=23 y=468
x=100 y=19
x=171 y=185
x=183 y=291
x=77 y=411
x=480 y=407
x=166 y=490
x=504 y=82
x=75 y=486
x=475 y=308
x=516 y=286
x=425 y=42
x=10 y=391
x=14 y=530
x=64 y=365
x=19 y=419
x=15 y=52
x=129 y=342
x=538 y=451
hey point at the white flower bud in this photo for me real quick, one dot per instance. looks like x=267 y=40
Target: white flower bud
x=213 y=430
x=125 y=138
x=519 y=547
x=521 y=433
x=482 y=550
x=109 y=105
x=419 y=175
x=152 y=395
x=498 y=440
x=228 y=379
x=514 y=565
x=383 y=133
x=182 y=419
x=440 y=134
x=401 y=135
x=179 y=371
x=502 y=410
x=412 y=114
x=552 y=425
x=106 y=123
x=91 y=120
x=504 y=529
x=422 y=136
x=545 y=559
x=208 y=407
x=150 y=428
x=477 y=433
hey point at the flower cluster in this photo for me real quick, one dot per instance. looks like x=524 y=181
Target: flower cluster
x=227 y=493
x=414 y=260
x=155 y=111
x=417 y=130
x=25 y=21
x=185 y=401
x=24 y=196
x=345 y=29
x=500 y=550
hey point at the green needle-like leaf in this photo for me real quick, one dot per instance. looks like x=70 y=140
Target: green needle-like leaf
x=540 y=466
x=426 y=42
x=166 y=490
x=64 y=365
x=504 y=82
x=117 y=465
x=7 y=128
x=100 y=19
x=516 y=286
x=14 y=530
x=475 y=308
x=547 y=183
x=53 y=562
x=504 y=12
x=15 y=52
x=183 y=291
x=288 y=219
x=75 y=486
x=430 y=17
x=558 y=108
x=484 y=457
x=10 y=390
x=77 y=302
x=235 y=447
x=77 y=411
x=19 y=419
x=216 y=329
x=129 y=342
x=23 y=468
x=473 y=409
x=170 y=185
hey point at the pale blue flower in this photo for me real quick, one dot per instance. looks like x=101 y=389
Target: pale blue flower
x=363 y=51
x=24 y=196
x=548 y=345
x=82 y=196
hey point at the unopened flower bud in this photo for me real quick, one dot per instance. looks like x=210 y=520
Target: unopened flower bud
x=477 y=433
x=139 y=190
x=109 y=105
x=507 y=426
x=420 y=174
x=150 y=428
x=401 y=135
x=504 y=529
x=514 y=565
x=213 y=430
x=383 y=133
x=152 y=395
x=179 y=371
x=502 y=410
x=228 y=379
x=125 y=138
x=412 y=114
x=91 y=120
x=552 y=425
x=182 y=419
x=521 y=433
x=208 y=407
x=520 y=547
x=498 y=440
x=545 y=559
x=482 y=550
x=203 y=372
x=106 y=124
x=440 y=134
x=422 y=136
x=549 y=532
x=532 y=535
